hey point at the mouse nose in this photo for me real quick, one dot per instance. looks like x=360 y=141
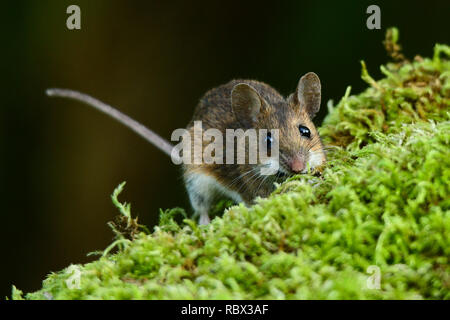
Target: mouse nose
x=297 y=165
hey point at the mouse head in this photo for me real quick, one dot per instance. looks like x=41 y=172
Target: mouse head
x=259 y=106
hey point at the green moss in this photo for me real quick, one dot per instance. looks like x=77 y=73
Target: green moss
x=382 y=200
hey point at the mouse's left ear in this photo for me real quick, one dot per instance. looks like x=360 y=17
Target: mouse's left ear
x=308 y=93
x=246 y=102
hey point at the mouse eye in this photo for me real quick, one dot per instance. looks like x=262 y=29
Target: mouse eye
x=269 y=140
x=304 y=131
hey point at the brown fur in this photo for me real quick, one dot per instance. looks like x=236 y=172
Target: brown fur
x=215 y=111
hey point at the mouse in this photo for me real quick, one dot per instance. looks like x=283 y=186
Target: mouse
x=240 y=104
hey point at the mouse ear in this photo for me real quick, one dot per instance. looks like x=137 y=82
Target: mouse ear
x=246 y=102
x=308 y=93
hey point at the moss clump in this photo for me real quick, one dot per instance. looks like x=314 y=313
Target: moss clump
x=410 y=92
x=382 y=200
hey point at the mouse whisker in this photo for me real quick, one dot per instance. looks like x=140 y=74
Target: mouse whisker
x=254 y=179
x=238 y=178
x=263 y=180
x=245 y=184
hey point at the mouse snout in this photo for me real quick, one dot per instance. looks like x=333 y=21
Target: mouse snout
x=297 y=164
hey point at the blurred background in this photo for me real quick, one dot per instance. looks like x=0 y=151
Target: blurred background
x=61 y=160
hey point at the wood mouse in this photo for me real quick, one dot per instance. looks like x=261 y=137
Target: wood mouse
x=241 y=104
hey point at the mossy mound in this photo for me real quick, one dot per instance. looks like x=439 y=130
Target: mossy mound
x=381 y=205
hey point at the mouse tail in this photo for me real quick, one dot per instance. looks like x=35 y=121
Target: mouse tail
x=140 y=129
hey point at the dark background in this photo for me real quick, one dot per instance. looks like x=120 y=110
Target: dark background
x=60 y=160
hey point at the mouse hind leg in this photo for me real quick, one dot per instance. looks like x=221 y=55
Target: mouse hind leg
x=202 y=191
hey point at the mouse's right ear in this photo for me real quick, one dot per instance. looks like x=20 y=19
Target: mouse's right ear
x=246 y=102
x=308 y=93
